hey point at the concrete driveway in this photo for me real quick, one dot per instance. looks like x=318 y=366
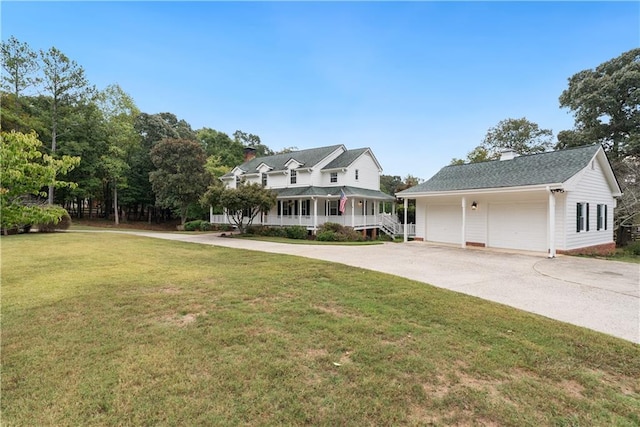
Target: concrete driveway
x=596 y=294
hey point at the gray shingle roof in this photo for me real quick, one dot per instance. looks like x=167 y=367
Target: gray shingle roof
x=345 y=159
x=334 y=191
x=308 y=158
x=536 y=169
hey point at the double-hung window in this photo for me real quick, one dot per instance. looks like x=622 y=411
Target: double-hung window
x=293 y=176
x=602 y=217
x=264 y=179
x=334 y=177
x=333 y=207
x=582 y=217
x=305 y=207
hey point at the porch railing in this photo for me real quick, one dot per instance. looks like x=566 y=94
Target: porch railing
x=387 y=222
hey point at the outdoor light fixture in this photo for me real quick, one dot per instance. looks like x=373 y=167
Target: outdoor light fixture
x=474 y=206
x=359 y=202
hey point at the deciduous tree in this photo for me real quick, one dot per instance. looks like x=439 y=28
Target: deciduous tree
x=25 y=171
x=219 y=144
x=519 y=135
x=120 y=113
x=478 y=154
x=243 y=204
x=605 y=102
x=180 y=177
x=250 y=140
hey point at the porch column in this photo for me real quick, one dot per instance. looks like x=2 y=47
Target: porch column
x=365 y=205
x=281 y=213
x=299 y=211
x=464 y=222
x=315 y=215
x=552 y=224
x=353 y=212
x=211 y=214
x=406 y=229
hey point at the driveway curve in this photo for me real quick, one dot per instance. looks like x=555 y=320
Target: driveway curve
x=597 y=294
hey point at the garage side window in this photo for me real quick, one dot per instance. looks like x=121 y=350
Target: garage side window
x=582 y=217
x=602 y=217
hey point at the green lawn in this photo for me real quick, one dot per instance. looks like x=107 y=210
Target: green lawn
x=304 y=241
x=108 y=329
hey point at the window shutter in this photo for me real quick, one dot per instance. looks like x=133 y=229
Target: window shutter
x=578 y=216
x=587 y=226
x=605 y=217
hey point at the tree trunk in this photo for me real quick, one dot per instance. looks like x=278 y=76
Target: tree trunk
x=115 y=203
x=53 y=148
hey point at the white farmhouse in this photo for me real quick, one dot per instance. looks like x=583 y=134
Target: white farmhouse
x=318 y=185
x=559 y=201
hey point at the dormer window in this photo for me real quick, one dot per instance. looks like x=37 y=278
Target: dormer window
x=238 y=181
x=334 y=177
x=293 y=176
x=264 y=179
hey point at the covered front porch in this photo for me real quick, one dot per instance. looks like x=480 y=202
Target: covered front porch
x=310 y=207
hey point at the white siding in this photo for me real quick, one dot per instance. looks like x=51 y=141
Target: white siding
x=368 y=173
x=421 y=218
x=591 y=187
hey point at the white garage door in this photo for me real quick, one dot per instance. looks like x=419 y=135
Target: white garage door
x=444 y=223
x=518 y=226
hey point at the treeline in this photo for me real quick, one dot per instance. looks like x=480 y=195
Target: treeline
x=47 y=92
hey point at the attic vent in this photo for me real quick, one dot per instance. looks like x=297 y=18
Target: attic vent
x=508 y=154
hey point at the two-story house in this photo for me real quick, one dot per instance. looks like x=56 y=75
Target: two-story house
x=318 y=185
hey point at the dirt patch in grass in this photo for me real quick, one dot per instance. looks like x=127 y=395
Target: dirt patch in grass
x=180 y=320
x=572 y=388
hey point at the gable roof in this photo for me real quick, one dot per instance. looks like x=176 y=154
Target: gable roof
x=277 y=162
x=554 y=167
x=345 y=159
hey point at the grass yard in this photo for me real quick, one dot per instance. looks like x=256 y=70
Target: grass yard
x=108 y=329
x=305 y=242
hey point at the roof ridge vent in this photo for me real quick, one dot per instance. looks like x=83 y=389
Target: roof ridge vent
x=508 y=154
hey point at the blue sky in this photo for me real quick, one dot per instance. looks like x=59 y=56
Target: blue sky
x=418 y=82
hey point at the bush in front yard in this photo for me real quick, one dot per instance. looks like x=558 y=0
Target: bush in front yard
x=333 y=232
x=297 y=232
x=633 y=248
x=63 y=223
x=330 y=236
x=197 y=225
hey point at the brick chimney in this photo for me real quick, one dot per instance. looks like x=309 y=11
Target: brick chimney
x=249 y=153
